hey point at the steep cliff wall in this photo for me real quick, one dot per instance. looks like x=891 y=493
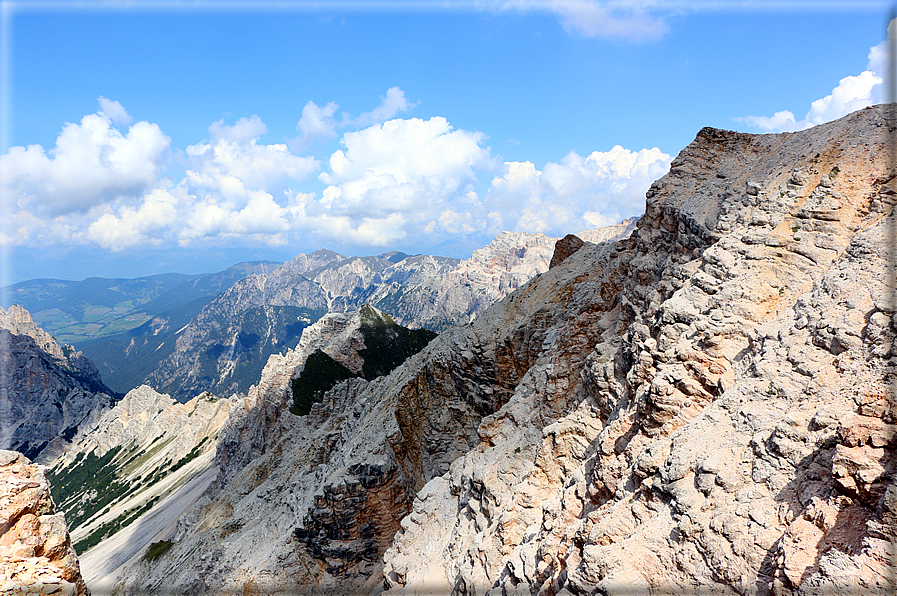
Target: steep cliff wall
x=718 y=415
x=46 y=391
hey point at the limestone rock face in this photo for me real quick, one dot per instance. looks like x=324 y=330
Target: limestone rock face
x=36 y=554
x=716 y=411
x=46 y=392
x=18 y=321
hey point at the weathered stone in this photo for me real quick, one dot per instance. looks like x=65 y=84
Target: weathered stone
x=563 y=248
x=36 y=553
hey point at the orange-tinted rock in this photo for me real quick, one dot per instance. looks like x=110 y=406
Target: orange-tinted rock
x=36 y=552
x=565 y=247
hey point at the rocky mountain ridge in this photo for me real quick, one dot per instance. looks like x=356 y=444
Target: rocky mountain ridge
x=719 y=435
x=47 y=391
x=224 y=347
x=705 y=405
x=125 y=478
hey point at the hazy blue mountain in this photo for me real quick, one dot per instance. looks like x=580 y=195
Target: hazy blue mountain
x=81 y=263
x=74 y=311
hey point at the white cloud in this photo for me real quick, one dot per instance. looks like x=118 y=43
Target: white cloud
x=232 y=162
x=246 y=130
x=852 y=93
x=410 y=180
x=397 y=177
x=577 y=193
x=392 y=104
x=103 y=187
x=147 y=223
x=92 y=163
x=316 y=124
x=115 y=111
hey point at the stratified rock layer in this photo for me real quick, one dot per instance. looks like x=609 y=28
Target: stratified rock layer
x=36 y=554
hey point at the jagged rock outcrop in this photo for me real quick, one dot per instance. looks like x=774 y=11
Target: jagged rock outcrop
x=565 y=247
x=224 y=348
x=716 y=413
x=36 y=554
x=248 y=432
x=46 y=391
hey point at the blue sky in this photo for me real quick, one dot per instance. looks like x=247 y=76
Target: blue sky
x=365 y=127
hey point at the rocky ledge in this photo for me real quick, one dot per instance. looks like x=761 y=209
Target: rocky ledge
x=36 y=554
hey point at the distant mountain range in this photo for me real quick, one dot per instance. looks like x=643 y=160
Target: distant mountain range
x=185 y=334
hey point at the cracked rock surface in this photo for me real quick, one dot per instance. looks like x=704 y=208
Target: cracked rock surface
x=715 y=411
x=36 y=554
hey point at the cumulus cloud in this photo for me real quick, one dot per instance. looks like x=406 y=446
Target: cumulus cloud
x=115 y=111
x=92 y=163
x=409 y=181
x=577 y=193
x=147 y=223
x=245 y=130
x=232 y=162
x=399 y=175
x=101 y=186
x=392 y=104
x=317 y=124
x=852 y=93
